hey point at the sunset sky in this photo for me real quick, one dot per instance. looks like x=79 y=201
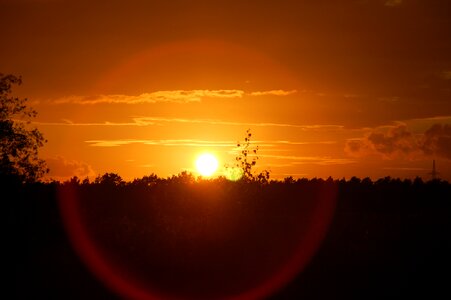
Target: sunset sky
x=328 y=88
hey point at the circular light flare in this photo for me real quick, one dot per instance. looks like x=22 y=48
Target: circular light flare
x=132 y=287
x=234 y=173
x=206 y=164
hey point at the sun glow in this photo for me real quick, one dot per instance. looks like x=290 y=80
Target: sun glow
x=206 y=164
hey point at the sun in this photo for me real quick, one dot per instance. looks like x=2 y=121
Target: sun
x=206 y=164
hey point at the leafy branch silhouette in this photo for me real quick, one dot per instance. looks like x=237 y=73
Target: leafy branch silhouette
x=247 y=160
x=18 y=144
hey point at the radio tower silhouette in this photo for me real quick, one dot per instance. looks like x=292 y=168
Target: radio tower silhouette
x=434 y=173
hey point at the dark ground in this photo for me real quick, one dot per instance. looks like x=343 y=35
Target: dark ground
x=388 y=239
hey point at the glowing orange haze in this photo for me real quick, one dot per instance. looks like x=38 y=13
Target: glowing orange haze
x=327 y=89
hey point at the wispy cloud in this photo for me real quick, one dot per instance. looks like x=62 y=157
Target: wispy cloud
x=194 y=143
x=444 y=119
x=175 y=96
x=405 y=169
x=155 y=120
x=305 y=143
x=181 y=142
x=285 y=175
x=320 y=160
x=65 y=122
x=273 y=93
x=150 y=121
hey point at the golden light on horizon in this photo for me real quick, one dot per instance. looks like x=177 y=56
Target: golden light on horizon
x=206 y=164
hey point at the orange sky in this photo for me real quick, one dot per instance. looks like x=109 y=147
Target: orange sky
x=328 y=88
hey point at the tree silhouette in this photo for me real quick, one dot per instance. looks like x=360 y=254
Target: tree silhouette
x=18 y=144
x=247 y=159
x=109 y=179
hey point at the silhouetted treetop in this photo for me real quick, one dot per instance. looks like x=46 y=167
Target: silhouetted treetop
x=18 y=144
x=246 y=160
x=110 y=179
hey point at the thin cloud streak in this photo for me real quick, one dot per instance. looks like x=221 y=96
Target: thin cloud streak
x=306 y=143
x=175 y=96
x=439 y=119
x=155 y=121
x=182 y=142
x=406 y=169
x=193 y=143
x=300 y=160
x=107 y=123
x=273 y=93
x=293 y=175
x=143 y=120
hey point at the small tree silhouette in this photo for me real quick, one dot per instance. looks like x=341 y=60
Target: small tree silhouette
x=148 y=180
x=184 y=177
x=109 y=179
x=247 y=160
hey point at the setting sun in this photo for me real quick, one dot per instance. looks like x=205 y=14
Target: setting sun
x=206 y=164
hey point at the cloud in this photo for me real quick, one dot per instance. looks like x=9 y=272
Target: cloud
x=392 y=142
x=301 y=160
x=273 y=93
x=155 y=120
x=66 y=122
x=437 y=141
x=389 y=141
x=405 y=169
x=441 y=119
x=148 y=121
x=63 y=169
x=176 y=96
x=181 y=142
x=304 y=143
x=193 y=143
x=397 y=139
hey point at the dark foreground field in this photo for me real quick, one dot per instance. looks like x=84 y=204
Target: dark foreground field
x=202 y=240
